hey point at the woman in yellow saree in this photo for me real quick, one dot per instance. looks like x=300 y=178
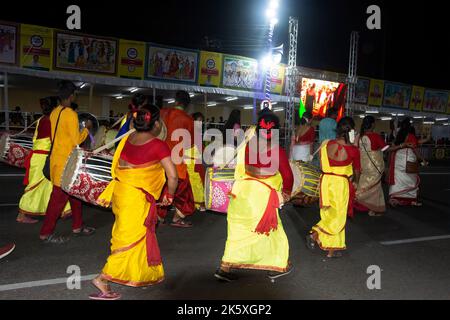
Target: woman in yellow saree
x=256 y=238
x=139 y=169
x=340 y=160
x=38 y=189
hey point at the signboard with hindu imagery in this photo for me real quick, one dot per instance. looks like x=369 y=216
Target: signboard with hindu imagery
x=376 y=92
x=165 y=63
x=210 y=69
x=240 y=73
x=131 y=59
x=8 y=43
x=36 y=47
x=84 y=53
x=396 y=95
x=416 y=102
x=435 y=101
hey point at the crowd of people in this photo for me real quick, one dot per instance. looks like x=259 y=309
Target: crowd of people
x=147 y=182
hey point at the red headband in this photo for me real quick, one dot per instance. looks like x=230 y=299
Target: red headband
x=266 y=125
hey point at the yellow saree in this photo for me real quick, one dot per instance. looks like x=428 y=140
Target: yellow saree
x=37 y=193
x=245 y=248
x=132 y=193
x=334 y=200
x=191 y=156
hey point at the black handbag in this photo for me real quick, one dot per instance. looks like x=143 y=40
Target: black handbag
x=46 y=169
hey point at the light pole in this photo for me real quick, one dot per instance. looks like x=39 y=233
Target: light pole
x=273 y=56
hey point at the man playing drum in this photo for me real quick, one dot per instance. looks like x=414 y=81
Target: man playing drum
x=65 y=137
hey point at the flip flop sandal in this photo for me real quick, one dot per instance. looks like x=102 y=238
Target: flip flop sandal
x=85 y=231
x=181 y=224
x=27 y=220
x=336 y=254
x=52 y=239
x=105 y=296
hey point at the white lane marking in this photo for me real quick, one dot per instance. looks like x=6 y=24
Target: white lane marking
x=9 y=204
x=8 y=175
x=433 y=173
x=41 y=283
x=390 y=243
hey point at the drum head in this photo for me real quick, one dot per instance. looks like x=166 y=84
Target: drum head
x=83 y=117
x=71 y=169
x=163 y=134
x=224 y=156
x=3 y=145
x=100 y=137
x=298 y=177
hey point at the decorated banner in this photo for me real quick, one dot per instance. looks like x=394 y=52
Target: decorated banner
x=36 y=47
x=210 y=70
x=435 y=101
x=8 y=43
x=278 y=75
x=416 y=102
x=376 y=92
x=396 y=95
x=240 y=73
x=362 y=91
x=172 y=64
x=77 y=52
x=131 y=59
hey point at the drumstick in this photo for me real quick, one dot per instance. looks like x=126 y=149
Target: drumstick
x=118 y=121
x=26 y=128
x=243 y=144
x=111 y=143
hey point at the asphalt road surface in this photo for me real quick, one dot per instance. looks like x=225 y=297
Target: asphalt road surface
x=411 y=246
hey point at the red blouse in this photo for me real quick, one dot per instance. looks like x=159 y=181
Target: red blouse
x=154 y=150
x=376 y=141
x=353 y=158
x=281 y=164
x=308 y=137
x=45 y=128
x=412 y=139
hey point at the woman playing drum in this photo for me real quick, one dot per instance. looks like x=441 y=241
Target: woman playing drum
x=304 y=139
x=340 y=160
x=139 y=169
x=256 y=238
x=38 y=189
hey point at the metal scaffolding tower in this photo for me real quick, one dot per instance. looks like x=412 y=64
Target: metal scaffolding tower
x=352 y=72
x=292 y=78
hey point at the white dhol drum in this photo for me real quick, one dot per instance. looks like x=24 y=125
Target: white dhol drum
x=306 y=183
x=222 y=156
x=104 y=136
x=86 y=175
x=15 y=149
x=218 y=185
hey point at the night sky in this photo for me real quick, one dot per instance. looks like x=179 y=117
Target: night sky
x=411 y=47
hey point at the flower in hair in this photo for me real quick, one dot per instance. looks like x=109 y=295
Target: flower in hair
x=147 y=117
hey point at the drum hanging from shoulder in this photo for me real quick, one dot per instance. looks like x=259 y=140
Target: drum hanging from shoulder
x=86 y=175
x=306 y=187
x=218 y=185
x=15 y=149
x=163 y=134
x=103 y=137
